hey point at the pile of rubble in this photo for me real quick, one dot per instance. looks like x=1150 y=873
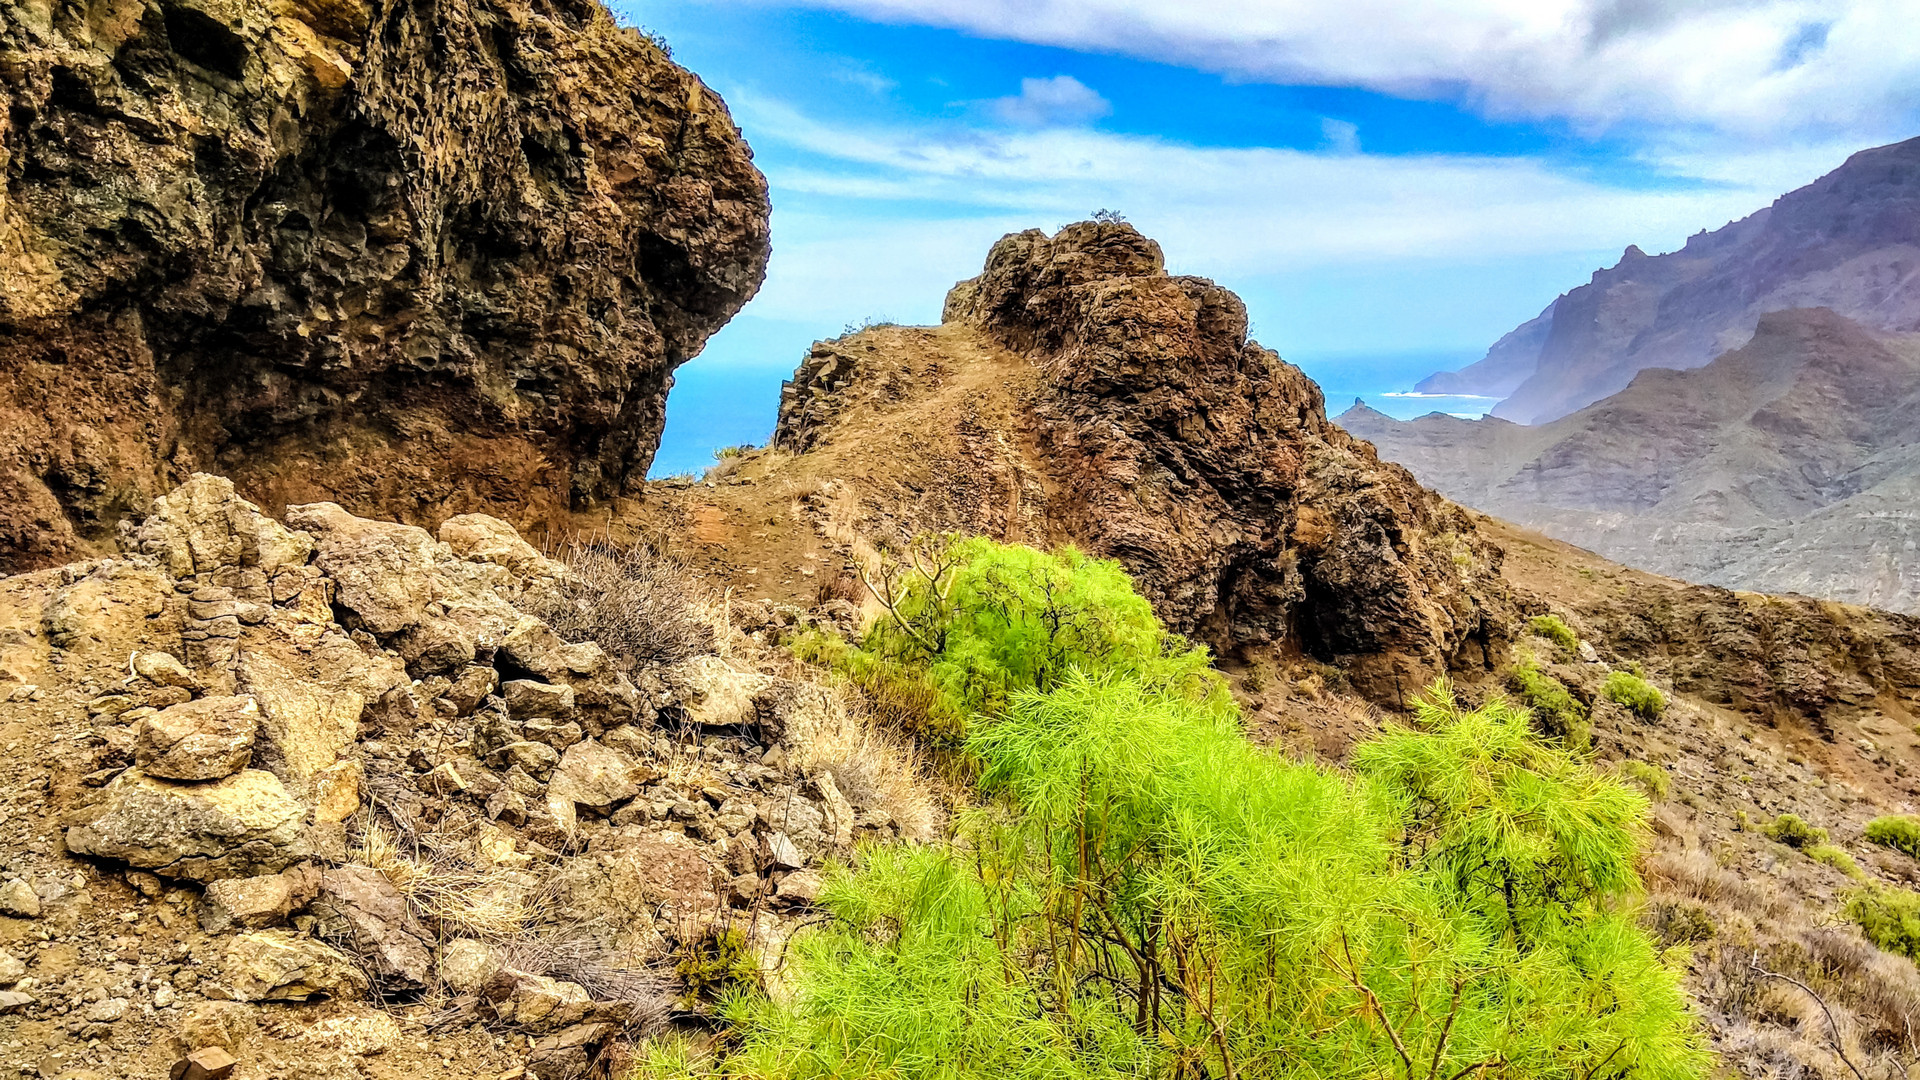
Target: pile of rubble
x=338 y=760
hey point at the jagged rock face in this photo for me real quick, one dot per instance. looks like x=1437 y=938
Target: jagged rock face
x=416 y=259
x=1207 y=466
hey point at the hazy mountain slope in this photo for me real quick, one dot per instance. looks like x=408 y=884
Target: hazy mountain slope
x=1849 y=241
x=1788 y=465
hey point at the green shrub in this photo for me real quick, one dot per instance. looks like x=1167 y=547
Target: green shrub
x=1557 y=712
x=1681 y=923
x=1900 y=832
x=1635 y=693
x=987 y=620
x=902 y=696
x=1791 y=831
x=714 y=965
x=1889 y=917
x=1554 y=629
x=1828 y=855
x=1651 y=778
x=1146 y=894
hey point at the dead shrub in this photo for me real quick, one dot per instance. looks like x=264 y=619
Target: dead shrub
x=640 y=607
x=829 y=732
x=603 y=972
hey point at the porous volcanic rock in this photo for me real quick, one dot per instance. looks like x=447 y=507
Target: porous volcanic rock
x=416 y=259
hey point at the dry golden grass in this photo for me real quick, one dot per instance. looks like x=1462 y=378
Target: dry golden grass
x=829 y=732
x=454 y=887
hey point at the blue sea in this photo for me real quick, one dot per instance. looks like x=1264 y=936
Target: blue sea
x=733 y=399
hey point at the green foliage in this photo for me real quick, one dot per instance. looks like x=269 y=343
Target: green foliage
x=1653 y=779
x=1900 y=832
x=715 y=964
x=1554 y=629
x=987 y=620
x=1681 y=923
x=727 y=453
x=1557 y=712
x=1829 y=855
x=1791 y=831
x=903 y=697
x=1889 y=917
x=1636 y=693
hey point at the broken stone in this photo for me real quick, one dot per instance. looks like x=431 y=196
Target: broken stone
x=336 y=792
x=736 y=816
x=274 y=965
x=253 y=903
x=18 y=899
x=110 y=1011
x=206 y=1063
x=800 y=887
x=558 y=736
x=534 y=759
x=201 y=740
x=466 y=965
x=360 y=906
x=12 y=1001
x=242 y=825
x=507 y=805
x=12 y=970
x=472 y=686
x=527 y=699
x=594 y=775
x=571 y=1054
x=162 y=669
x=536 y=1003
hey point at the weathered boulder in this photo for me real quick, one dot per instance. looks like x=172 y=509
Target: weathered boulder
x=253 y=903
x=203 y=526
x=198 y=740
x=527 y=699
x=440 y=258
x=536 y=1003
x=163 y=669
x=598 y=776
x=275 y=965
x=467 y=965
x=359 y=906
x=241 y=825
x=17 y=899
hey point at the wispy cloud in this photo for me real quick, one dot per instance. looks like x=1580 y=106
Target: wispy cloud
x=1062 y=99
x=1742 y=66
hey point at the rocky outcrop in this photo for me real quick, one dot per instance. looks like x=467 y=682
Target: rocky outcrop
x=1849 y=241
x=416 y=259
x=1787 y=466
x=1140 y=423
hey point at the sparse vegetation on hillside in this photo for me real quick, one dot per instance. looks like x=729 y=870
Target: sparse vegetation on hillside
x=1636 y=693
x=1890 y=917
x=1146 y=893
x=1555 y=629
x=1901 y=832
x=1557 y=712
x=1793 y=832
x=638 y=606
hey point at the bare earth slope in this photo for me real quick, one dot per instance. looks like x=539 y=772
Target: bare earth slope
x=1849 y=241
x=1788 y=465
x=417 y=258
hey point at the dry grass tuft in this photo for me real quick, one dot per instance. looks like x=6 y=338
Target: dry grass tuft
x=640 y=607
x=605 y=974
x=455 y=888
x=829 y=733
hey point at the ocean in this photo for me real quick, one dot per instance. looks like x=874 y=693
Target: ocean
x=735 y=401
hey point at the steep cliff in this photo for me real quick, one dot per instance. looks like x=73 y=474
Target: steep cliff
x=1788 y=465
x=1849 y=241
x=416 y=258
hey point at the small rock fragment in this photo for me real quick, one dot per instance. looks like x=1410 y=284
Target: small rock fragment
x=12 y=1001
x=162 y=669
x=206 y=1063
x=200 y=740
x=18 y=899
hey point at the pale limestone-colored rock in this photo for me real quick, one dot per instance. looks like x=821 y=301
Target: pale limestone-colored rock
x=479 y=538
x=783 y=853
x=597 y=775
x=382 y=572
x=12 y=970
x=162 y=669
x=275 y=965
x=336 y=792
x=17 y=899
x=241 y=825
x=199 y=740
x=310 y=704
x=12 y=1001
x=736 y=815
x=202 y=526
x=715 y=693
x=527 y=699
x=564 y=813
x=206 y=1063
x=537 y=1004
x=466 y=965
x=800 y=887
x=496 y=846
x=471 y=686
x=252 y=903
x=535 y=759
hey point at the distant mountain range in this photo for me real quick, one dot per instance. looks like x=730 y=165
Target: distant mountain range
x=1849 y=241
x=1789 y=465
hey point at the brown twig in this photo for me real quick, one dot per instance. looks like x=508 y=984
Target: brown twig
x=1817 y=1000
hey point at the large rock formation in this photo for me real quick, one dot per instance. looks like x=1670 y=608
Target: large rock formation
x=1143 y=425
x=1849 y=241
x=417 y=259
x=1789 y=465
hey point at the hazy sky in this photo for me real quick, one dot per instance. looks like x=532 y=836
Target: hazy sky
x=1371 y=175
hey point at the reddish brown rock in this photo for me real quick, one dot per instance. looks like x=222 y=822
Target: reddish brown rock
x=411 y=258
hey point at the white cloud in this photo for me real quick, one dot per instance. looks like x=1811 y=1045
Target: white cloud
x=1062 y=99
x=1748 y=66
x=1343 y=136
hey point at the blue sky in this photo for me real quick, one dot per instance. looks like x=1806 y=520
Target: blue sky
x=1379 y=179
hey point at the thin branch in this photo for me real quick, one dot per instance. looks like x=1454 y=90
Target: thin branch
x=1817 y=1000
